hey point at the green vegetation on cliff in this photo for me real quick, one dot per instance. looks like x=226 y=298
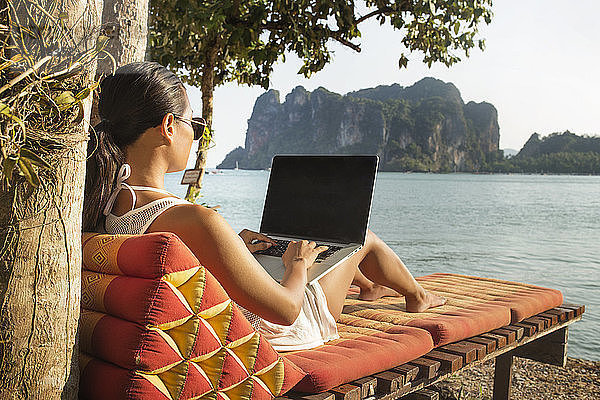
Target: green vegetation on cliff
x=558 y=153
x=424 y=127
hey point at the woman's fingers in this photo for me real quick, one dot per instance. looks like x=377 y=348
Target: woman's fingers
x=321 y=249
x=258 y=246
x=263 y=238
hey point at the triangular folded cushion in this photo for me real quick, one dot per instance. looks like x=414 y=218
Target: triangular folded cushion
x=169 y=332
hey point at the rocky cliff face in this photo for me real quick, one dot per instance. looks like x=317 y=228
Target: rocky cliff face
x=424 y=127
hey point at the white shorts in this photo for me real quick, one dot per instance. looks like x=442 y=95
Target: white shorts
x=314 y=326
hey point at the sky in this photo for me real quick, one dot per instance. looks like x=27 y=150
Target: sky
x=540 y=69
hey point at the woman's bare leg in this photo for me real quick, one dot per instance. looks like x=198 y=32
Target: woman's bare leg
x=370 y=290
x=381 y=265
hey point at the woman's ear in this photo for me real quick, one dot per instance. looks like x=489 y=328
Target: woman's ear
x=167 y=128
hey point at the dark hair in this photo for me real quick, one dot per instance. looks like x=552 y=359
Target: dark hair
x=136 y=97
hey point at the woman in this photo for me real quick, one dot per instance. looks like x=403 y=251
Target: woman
x=146 y=131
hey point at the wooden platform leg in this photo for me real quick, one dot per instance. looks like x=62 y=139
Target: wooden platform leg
x=503 y=376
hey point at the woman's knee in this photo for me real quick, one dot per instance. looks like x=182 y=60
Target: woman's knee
x=372 y=240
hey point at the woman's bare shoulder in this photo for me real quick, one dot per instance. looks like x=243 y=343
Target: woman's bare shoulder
x=184 y=217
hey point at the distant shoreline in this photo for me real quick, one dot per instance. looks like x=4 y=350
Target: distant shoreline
x=447 y=173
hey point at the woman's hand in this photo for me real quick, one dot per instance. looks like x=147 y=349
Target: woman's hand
x=304 y=252
x=255 y=241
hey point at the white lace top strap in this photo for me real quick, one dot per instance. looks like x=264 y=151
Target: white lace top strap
x=123 y=174
x=136 y=220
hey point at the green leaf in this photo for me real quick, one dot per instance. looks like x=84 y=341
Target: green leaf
x=65 y=100
x=101 y=42
x=8 y=166
x=5 y=110
x=456 y=27
x=34 y=158
x=28 y=171
x=403 y=61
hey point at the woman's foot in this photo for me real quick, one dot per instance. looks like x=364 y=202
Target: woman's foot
x=424 y=301
x=375 y=292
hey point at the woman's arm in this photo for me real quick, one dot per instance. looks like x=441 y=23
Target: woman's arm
x=225 y=255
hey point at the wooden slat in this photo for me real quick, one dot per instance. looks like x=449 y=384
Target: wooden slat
x=510 y=336
x=468 y=353
x=561 y=314
x=570 y=312
x=489 y=343
x=518 y=330
x=428 y=369
x=578 y=308
x=316 y=396
x=552 y=317
x=449 y=362
x=367 y=385
x=541 y=324
x=410 y=372
x=481 y=349
x=423 y=394
x=547 y=320
x=389 y=381
x=500 y=340
x=529 y=329
x=346 y=392
x=405 y=389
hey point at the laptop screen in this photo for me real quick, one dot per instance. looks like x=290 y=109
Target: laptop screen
x=320 y=197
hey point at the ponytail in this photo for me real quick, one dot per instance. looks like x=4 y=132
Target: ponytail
x=104 y=160
x=136 y=97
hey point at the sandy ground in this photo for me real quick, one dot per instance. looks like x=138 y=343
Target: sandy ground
x=580 y=379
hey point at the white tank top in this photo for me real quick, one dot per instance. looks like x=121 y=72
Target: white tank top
x=137 y=220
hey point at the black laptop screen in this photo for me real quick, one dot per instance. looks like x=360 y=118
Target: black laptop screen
x=320 y=197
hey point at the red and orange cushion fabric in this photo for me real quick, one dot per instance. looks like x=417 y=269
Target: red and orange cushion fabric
x=474 y=306
x=157 y=325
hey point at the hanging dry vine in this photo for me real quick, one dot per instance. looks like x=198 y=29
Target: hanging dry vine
x=41 y=94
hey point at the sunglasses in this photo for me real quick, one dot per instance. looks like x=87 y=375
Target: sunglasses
x=198 y=124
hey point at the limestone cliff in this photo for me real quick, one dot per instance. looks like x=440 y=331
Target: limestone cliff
x=424 y=127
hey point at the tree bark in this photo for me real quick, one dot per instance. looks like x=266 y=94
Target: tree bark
x=125 y=22
x=207 y=86
x=40 y=259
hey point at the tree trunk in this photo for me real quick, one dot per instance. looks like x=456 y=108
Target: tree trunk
x=40 y=259
x=207 y=86
x=125 y=22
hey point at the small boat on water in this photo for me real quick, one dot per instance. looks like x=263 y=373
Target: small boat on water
x=236 y=166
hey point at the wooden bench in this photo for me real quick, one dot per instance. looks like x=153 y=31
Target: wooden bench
x=542 y=338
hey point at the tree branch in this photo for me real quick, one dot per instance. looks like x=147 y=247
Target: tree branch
x=347 y=43
x=372 y=14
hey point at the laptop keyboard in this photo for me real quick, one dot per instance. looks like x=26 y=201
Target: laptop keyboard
x=278 y=250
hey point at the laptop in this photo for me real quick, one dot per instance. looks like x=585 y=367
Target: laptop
x=321 y=198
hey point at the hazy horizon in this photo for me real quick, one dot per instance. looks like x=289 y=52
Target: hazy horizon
x=537 y=70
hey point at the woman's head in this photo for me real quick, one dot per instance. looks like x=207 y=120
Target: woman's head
x=142 y=106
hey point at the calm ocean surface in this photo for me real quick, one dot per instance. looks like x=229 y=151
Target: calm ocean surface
x=543 y=230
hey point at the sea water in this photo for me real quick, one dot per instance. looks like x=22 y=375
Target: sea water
x=538 y=229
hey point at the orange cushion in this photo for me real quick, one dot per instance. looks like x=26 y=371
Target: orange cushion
x=358 y=353
x=378 y=335
x=474 y=306
x=177 y=334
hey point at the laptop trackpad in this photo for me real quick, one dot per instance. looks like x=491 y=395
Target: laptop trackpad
x=273 y=265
